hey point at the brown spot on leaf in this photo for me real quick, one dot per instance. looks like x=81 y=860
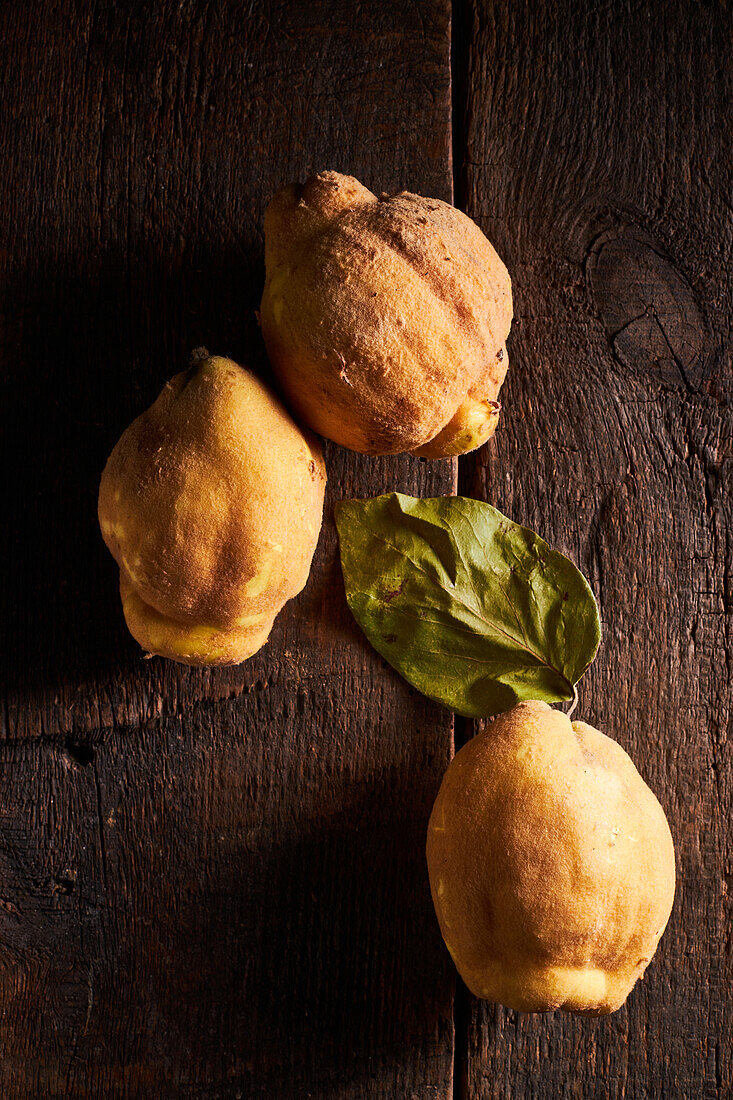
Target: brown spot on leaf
x=389 y=596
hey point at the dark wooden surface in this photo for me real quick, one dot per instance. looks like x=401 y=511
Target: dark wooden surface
x=597 y=157
x=212 y=884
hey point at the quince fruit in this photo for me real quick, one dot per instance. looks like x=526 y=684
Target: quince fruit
x=211 y=504
x=385 y=319
x=551 y=865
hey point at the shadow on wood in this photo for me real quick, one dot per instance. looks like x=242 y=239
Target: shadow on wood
x=81 y=370
x=290 y=945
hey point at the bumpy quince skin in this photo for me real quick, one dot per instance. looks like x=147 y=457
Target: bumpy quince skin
x=211 y=504
x=551 y=864
x=385 y=318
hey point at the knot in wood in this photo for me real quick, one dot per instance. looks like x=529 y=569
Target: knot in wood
x=649 y=309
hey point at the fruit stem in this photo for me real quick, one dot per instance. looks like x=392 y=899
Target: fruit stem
x=574 y=702
x=197 y=356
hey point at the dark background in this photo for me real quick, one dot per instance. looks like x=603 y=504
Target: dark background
x=212 y=883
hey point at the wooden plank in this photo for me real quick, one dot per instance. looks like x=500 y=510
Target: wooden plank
x=213 y=883
x=211 y=907
x=151 y=144
x=597 y=158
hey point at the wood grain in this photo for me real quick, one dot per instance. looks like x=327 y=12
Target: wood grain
x=212 y=883
x=596 y=155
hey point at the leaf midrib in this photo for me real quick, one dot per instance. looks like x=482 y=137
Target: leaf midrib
x=498 y=630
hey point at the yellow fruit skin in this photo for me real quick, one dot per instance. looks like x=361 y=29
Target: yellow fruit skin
x=191 y=644
x=211 y=504
x=551 y=865
x=474 y=423
x=383 y=317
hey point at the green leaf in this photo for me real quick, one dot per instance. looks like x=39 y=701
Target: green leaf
x=474 y=610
